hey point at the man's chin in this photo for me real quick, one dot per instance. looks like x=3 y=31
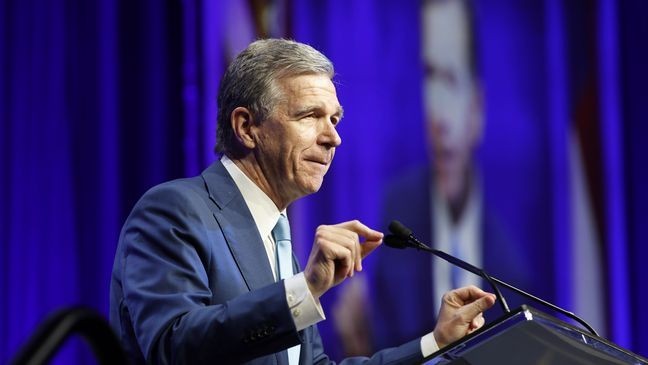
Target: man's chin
x=313 y=186
x=452 y=190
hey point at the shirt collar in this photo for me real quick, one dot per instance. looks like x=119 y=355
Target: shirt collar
x=264 y=211
x=467 y=230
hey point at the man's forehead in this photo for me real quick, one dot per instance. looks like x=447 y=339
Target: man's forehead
x=310 y=91
x=445 y=33
x=301 y=83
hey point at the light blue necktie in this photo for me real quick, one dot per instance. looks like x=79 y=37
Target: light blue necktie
x=456 y=273
x=281 y=234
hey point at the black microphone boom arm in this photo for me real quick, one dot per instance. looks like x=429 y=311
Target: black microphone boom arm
x=395 y=241
x=403 y=238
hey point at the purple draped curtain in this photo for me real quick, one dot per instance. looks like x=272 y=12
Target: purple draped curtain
x=90 y=110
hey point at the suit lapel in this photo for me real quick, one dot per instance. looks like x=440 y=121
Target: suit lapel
x=424 y=227
x=238 y=227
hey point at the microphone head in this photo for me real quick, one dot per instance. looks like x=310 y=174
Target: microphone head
x=396 y=242
x=399 y=229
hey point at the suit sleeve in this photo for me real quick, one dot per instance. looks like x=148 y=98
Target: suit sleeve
x=408 y=353
x=166 y=248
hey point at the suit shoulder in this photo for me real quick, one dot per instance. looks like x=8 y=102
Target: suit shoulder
x=176 y=189
x=180 y=197
x=406 y=191
x=413 y=180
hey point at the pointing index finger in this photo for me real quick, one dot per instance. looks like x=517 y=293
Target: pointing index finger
x=362 y=230
x=372 y=238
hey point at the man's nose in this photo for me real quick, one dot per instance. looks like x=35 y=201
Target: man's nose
x=441 y=124
x=329 y=136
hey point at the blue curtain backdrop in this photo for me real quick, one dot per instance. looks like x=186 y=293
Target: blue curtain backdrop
x=91 y=114
x=634 y=58
x=101 y=100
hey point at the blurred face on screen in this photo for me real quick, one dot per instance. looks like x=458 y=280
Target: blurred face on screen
x=452 y=97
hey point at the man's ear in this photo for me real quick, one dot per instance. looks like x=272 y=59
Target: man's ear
x=242 y=122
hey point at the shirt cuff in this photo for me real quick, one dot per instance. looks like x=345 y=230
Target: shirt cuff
x=305 y=310
x=428 y=345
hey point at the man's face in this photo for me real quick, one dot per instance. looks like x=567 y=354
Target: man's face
x=296 y=144
x=452 y=100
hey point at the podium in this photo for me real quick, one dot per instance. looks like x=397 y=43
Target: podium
x=528 y=336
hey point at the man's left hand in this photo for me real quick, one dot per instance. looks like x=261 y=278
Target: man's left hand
x=461 y=313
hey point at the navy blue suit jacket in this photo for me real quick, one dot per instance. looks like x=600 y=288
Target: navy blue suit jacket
x=192 y=284
x=402 y=281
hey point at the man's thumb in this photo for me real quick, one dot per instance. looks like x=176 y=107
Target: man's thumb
x=478 y=306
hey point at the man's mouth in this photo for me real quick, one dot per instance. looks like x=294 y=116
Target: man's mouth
x=321 y=162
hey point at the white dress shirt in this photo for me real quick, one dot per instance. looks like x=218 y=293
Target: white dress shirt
x=305 y=309
x=465 y=234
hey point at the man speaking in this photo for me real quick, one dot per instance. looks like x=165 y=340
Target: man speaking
x=204 y=271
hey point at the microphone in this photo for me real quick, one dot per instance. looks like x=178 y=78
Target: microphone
x=404 y=238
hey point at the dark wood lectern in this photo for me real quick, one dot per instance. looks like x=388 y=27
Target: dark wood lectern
x=528 y=336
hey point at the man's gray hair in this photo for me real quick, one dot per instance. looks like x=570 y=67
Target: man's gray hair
x=251 y=82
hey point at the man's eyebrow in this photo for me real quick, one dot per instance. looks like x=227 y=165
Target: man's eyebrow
x=311 y=108
x=340 y=112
